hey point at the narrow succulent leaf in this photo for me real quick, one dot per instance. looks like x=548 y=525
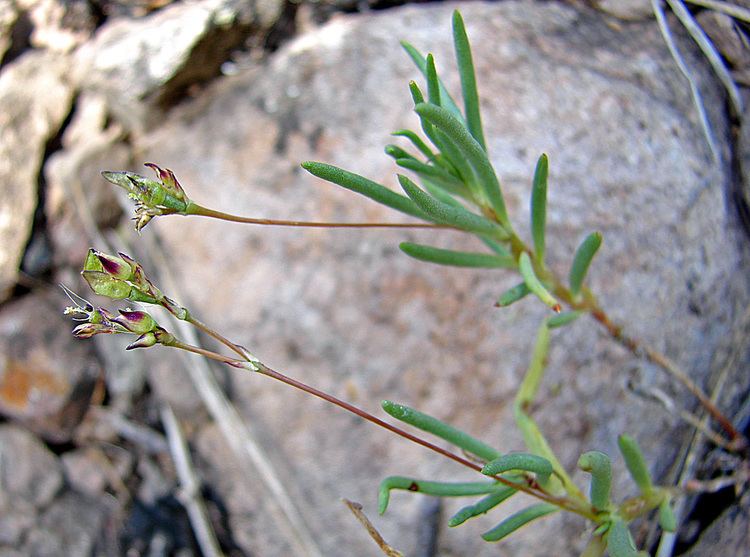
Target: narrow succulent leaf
x=667 y=519
x=396 y=152
x=451 y=153
x=596 y=547
x=512 y=295
x=439 y=489
x=582 y=259
x=436 y=174
x=497 y=247
x=517 y=520
x=619 y=541
x=539 y=206
x=365 y=187
x=440 y=429
x=433 y=85
x=482 y=506
x=456 y=258
x=421 y=63
x=468 y=79
x=448 y=214
x=416 y=93
x=562 y=319
x=533 y=437
x=439 y=193
x=599 y=466
x=476 y=156
x=636 y=463
x=520 y=461
x=535 y=286
x=416 y=141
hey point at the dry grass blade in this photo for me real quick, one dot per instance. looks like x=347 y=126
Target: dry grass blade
x=189 y=494
x=709 y=51
x=356 y=509
x=697 y=98
x=732 y=10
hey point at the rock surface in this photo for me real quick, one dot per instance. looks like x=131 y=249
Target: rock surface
x=35 y=95
x=142 y=74
x=344 y=310
x=348 y=313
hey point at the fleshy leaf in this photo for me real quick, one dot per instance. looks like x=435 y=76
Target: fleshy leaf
x=456 y=258
x=600 y=468
x=517 y=520
x=482 y=506
x=439 y=489
x=534 y=284
x=468 y=79
x=520 y=461
x=539 y=206
x=635 y=462
x=582 y=259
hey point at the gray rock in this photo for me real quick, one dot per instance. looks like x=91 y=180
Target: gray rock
x=71 y=527
x=58 y=25
x=145 y=65
x=35 y=95
x=17 y=515
x=631 y=10
x=84 y=471
x=39 y=479
x=46 y=375
x=348 y=313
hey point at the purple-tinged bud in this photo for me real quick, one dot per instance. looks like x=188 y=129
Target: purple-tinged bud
x=146 y=340
x=138 y=322
x=106 y=285
x=168 y=180
x=88 y=330
x=115 y=266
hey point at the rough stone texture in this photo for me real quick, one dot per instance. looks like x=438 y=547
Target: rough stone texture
x=727 y=37
x=35 y=95
x=46 y=375
x=69 y=527
x=348 y=313
x=141 y=73
x=58 y=25
x=728 y=535
x=77 y=202
x=39 y=479
x=626 y=9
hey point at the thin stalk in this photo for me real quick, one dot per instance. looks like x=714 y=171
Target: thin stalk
x=532 y=489
x=225 y=341
x=198 y=210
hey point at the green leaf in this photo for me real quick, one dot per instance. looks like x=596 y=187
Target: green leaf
x=433 y=85
x=667 y=519
x=363 y=186
x=481 y=507
x=456 y=258
x=562 y=319
x=440 y=429
x=534 y=284
x=495 y=246
x=439 y=489
x=449 y=214
x=635 y=462
x=517 y=520
x=619 y=541
x=476 y=156
x=584 y=254
x=539 y=206
x=512 y=295
x=396 y=152
x=436 y=174
x=416 y=93
x=520 y=461
x=468 y=79
x=421 y=63
x=417 y=142
x=600 y=468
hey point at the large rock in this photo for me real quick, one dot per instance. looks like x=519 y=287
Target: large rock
x=36 y=95
x=145 y=65
x=348 y=313
x=46 y=376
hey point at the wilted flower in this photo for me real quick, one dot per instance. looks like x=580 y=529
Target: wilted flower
x=152 y=198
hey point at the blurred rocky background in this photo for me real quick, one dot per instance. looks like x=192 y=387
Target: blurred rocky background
x=232 y=95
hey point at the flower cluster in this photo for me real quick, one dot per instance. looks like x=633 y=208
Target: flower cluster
x=98 y=320
x=152 y=198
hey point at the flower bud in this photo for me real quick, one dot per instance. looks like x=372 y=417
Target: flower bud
x=146 y=340
x=138 y=322
x=106 y=285
x=88 y=330
x=115 y=266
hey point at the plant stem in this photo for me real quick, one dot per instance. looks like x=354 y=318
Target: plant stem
x=210 y=332
x=195 y=209
x=532 y=488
